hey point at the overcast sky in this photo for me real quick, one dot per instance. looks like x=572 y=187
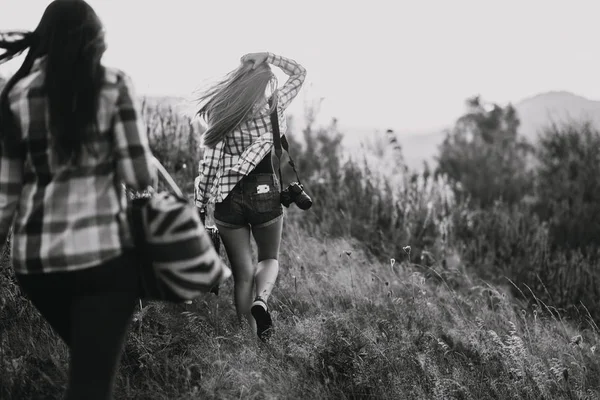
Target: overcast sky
x=405 y=64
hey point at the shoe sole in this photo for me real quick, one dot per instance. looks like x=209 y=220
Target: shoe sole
x=264 y=323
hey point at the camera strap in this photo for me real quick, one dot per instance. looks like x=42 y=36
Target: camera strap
x=280 y=142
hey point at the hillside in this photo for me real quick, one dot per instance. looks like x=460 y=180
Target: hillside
x=346 y=328
x=370 y=303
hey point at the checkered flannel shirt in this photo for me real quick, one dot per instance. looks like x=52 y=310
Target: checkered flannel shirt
x=66 y=217
x=242 y=149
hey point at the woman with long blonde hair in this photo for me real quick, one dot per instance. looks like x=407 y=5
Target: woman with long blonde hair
x=237 y=172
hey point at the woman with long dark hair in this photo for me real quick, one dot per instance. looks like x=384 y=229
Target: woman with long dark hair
x=237 y=172
x=70 y=132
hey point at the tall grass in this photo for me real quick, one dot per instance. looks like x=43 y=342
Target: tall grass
x=175 y=141
x=346 y=327
x=389 y=289
x=374 y=198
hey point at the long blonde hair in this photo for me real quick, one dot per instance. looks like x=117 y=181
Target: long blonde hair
x=231 y=101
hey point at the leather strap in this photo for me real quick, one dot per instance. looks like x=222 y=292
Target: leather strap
x=280 y=142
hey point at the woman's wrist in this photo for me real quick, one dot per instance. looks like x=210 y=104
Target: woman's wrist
x=202 y=214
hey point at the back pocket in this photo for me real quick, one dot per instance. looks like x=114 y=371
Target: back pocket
x=265 y=202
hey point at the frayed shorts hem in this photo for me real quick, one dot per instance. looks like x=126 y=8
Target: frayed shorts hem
x=234 y=226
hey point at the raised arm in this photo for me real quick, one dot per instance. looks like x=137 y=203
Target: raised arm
x=296 y=76
x=134 y=157
x=295 y=72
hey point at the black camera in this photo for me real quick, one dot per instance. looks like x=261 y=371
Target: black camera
x=213 y=233
x=295 y=193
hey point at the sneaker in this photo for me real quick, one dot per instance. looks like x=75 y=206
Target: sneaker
x=264 y=324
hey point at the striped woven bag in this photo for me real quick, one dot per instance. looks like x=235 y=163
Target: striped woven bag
x=178 y=258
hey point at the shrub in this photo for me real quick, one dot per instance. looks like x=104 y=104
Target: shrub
x=486 y=155
x=568 y=188
x=376 y=200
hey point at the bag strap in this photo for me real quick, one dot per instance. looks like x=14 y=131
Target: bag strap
x=280 y=142
x=162 y=172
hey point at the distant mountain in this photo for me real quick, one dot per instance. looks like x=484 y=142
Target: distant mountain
x=180 y=105
x=538 y=111
x=417 y=147
x=535 y=113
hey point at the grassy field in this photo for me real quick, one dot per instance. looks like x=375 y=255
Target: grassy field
x=357 y=316
x=347 y=327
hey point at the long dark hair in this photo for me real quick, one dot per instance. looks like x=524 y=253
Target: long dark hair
x=231 y=101
x=71 y=37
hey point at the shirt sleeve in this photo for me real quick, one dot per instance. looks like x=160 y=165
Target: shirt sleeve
x=11 y=183
x=296 y=76
x=208 y=171
x=134 y=157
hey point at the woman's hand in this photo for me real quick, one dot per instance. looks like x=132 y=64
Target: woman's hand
x=255 y=58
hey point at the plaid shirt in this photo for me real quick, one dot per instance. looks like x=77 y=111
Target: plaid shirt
x=242 y=149
x=70 y=217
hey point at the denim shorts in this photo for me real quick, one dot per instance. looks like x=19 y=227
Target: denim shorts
x=254 y=201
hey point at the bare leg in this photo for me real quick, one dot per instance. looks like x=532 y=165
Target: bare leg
x=268 y=239
x=237 y=246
